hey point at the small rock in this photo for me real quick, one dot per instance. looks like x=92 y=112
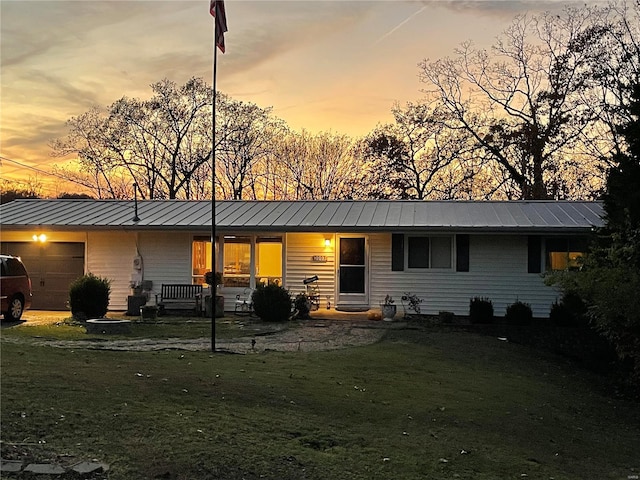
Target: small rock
x=85 y=468
x=10 y=466
x=44 y=468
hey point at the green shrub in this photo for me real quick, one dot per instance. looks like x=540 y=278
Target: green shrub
x=302 y=305
x=89 y=297
x=570 y=311
x=480 y=310
x=446 y=317
x=519 y=313
x=271 y=303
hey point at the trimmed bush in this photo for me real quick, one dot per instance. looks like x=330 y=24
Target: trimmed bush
x=519 y=313
x=271 y=303
x=571 y=311
x=480 y=310
x=302 y=304
x=89 y=297
x=446 y=317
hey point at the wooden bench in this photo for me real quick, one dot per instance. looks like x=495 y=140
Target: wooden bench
x=180 y=295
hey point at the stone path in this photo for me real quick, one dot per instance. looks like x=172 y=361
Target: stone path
x=315 y=336
x=85 y=470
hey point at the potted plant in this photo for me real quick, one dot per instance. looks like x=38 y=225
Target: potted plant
x=388 y=309
x=209 y=279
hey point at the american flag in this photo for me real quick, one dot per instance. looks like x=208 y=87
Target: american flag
x=216 y=8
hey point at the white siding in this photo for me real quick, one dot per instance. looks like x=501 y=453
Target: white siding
x=166 y=258
x=300 y=249
x=110 y=255
x=497 y=270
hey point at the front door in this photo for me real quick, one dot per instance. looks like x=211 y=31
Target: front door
x=352 y=274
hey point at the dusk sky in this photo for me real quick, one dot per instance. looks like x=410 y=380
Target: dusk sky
x=322 y=65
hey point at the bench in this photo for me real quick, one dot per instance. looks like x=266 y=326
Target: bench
x=180 y=295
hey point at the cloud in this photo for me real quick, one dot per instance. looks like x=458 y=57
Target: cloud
x=279 y=27
x=501 y=8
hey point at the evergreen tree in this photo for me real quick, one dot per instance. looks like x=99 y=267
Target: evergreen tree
x=609 y=281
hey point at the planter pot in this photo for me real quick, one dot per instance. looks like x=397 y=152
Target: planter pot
x=219 y=306
x=149 y=312
x=388 y=312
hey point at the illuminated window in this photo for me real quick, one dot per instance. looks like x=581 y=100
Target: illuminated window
x=565 y=253
x=201 y=258
x=237 y=269
x=237 y=261
x=269 y=260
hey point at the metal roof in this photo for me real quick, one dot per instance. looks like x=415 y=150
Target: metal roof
x=304 y=216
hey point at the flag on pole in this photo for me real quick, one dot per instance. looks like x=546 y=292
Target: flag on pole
x=216 y=8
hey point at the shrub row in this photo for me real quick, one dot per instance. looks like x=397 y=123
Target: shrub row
x=570 y=311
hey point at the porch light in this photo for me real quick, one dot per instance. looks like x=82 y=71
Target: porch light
x=39 y=238
x=327 y=242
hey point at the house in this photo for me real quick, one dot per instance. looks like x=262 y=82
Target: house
x=446 y=252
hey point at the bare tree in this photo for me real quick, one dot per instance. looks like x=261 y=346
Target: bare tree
x=613 y=44
x=89 y=138
x=416 y=157
x=249 y=135
x=317 y=166
x=160 y=143
x=521 y=102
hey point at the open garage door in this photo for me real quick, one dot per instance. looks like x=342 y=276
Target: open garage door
x=52 y=267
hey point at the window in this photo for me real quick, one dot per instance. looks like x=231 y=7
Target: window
x=237 y=261
x=269 y=260
x=418 y=248
x=249 y=261
x=201 y=258
x=565 y=253
x=429 y=252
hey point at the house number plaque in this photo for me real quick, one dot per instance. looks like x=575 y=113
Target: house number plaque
x=319 y=259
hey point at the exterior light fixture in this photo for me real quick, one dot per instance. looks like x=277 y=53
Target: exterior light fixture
x=39 y=238
x=327 y=242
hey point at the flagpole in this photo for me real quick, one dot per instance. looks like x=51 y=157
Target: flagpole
x=217 y=10
x=214 y=288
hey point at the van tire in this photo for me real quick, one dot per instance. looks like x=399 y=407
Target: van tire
x=16 y=307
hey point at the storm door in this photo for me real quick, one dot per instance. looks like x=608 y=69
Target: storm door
x=352 y=274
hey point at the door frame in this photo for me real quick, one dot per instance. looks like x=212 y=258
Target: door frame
x=352 y=300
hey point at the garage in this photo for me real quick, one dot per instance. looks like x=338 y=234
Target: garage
x=52 y=267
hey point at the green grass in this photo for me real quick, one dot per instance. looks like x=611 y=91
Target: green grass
x=405 y=408
x=163 y=328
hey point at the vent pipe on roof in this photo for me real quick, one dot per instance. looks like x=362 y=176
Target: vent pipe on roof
x=135 y=202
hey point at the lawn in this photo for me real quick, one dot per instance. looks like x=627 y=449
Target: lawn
x=163 y=328
x=435 y=404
